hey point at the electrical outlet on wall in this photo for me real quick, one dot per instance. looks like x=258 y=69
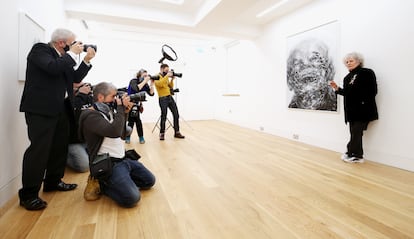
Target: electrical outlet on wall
x=295 y=136
x=261 y=128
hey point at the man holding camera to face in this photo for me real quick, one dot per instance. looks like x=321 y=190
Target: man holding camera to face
x=164 y=86
x=50 y=75
x=103 y=129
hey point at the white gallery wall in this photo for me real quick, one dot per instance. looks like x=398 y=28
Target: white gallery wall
x=380 y=30
x=121 y=55
x=13 y=128
x=240 y=81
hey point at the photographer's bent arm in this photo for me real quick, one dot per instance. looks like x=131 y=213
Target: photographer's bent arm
x=96 y=124
x=171 y=82
x=143 y=83
x=55 y=66
x=85 y=65
x=81 y=72
x=151 y=87
x=162 y=81
x=44 y=57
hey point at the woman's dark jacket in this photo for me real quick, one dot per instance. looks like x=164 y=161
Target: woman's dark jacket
x=359 y=91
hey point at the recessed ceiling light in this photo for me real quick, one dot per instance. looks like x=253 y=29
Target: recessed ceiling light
x=272 y=8
x=177 y=2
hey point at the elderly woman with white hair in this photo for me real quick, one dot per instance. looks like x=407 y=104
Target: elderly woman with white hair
x=359 y=91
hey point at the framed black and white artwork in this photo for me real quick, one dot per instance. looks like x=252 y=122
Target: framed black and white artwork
x=310 y=66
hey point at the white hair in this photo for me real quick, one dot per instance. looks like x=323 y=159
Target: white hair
x=62 y=34
x=356 y=56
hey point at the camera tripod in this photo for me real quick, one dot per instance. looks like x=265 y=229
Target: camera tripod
x=170 y=125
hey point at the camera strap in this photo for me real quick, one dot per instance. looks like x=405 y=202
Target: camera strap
x=105 y=110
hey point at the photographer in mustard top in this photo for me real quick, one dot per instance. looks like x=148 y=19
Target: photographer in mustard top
x=138 y=84
x=164 y=85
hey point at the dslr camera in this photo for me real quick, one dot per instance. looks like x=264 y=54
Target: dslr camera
x=173 y=91
x=134 y=111
x=85 y=47
x=177 y=74
x=137 y=97
x=157 y=77
x=84 y=84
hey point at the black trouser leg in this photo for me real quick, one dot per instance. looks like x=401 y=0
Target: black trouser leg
x=139 y=126
x=131 y=122
x=354 y=145
x=59 y=150
x=163 y=101
x=174 y=110
x=41 y=131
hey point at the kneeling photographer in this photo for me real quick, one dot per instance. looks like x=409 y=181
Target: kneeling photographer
x=77 y=158
x=164 y=83
x=138 y=84
x=121 y=175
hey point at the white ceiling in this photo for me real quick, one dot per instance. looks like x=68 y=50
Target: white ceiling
x=228 y=18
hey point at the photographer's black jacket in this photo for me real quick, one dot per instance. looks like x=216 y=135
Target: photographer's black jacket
x=49 y=77
x=359 y=91
x=80 y=102
x=133 y=87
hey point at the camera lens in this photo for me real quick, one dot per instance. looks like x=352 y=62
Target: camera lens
x=156 y=77
x=140 y=96
x=178 y=74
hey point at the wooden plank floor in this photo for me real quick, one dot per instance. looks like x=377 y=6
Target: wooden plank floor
x=225 y=181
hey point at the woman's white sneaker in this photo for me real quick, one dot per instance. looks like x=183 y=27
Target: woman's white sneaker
x=354 y=160
x=344 y=156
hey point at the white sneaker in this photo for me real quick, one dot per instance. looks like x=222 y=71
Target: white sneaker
x=344 y=156
x=354 y=160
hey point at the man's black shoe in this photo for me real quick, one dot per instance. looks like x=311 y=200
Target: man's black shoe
x=61 y=186
x=33 y=204
x=179 y=135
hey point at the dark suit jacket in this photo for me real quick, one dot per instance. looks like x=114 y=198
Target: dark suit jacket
x=359 y=91
x=48 y=78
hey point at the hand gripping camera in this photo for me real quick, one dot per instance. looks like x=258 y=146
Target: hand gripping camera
x=86 y=46
x=175 y=74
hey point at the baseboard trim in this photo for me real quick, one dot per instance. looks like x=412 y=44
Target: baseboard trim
x=8 y=193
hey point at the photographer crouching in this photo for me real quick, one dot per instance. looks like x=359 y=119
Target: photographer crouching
x=103 y=129
x=77 y=158
x=164 y=83
x=138 y=84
